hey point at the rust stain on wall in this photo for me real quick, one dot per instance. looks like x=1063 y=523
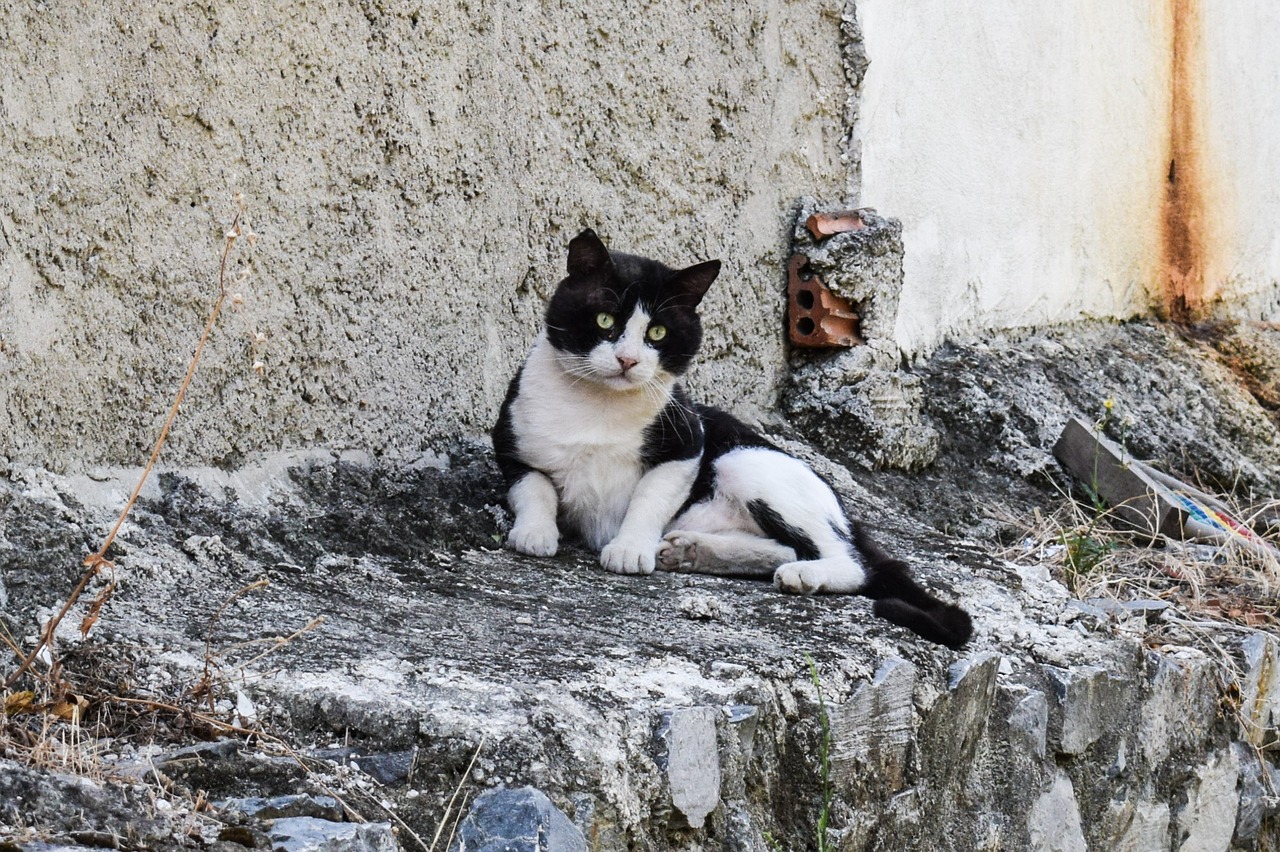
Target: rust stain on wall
x=1184 y=220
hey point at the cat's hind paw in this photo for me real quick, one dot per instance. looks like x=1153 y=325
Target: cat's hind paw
x=795 y=577
x=622 y=557
x=678 y=552
x=534 y=541
x=831 y=576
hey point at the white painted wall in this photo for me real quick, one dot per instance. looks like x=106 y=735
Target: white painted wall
x=1242 y=149
x=1025 y=147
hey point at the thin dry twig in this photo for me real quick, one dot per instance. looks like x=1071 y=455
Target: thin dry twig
x=95 y=562
x=278 y=642
x=404 y=826
x=453 y=799
x=205 y=687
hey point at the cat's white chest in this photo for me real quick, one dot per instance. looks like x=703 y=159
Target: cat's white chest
x=587 y=440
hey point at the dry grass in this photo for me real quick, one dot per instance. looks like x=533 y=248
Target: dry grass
x=1218 y=593
x=97 y=564
x=1097 y=556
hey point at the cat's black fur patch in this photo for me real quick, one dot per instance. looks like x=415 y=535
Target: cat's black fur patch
x=676 y=433
x=780 y=531
x=504 y=438
x=900 y=600
x=722 y=432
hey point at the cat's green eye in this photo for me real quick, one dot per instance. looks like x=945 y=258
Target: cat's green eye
x=657 y=332
x=604 y=320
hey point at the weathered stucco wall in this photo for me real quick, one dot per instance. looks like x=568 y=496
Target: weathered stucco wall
x=413 y=170
x=1057 y=161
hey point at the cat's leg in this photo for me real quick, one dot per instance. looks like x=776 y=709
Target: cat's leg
x=534 y=500
x=734 y=553
x=719 y=536
x=657 y=497
x=795 y=507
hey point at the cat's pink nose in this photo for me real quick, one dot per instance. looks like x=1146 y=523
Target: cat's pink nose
x=626 y=363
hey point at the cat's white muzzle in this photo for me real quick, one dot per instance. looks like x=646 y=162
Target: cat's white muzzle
x=629 y=362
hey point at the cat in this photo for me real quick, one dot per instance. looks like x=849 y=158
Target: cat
x=598 y=437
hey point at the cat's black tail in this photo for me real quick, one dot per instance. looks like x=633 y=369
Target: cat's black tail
x=900 y=600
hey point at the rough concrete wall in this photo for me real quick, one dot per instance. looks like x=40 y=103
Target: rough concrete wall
x=1052 y=162
x=414 y=171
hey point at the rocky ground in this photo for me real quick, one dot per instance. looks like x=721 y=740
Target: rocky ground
x=399 y=680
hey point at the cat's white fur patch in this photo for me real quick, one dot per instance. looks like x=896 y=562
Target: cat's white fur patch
x=835 y=575
x=726 y=553
x=595 y=466
x=799 y=497
x=657 y=497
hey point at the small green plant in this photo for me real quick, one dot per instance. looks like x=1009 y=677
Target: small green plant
x=1085 y=552
x=824 y=751
x=1088 y=544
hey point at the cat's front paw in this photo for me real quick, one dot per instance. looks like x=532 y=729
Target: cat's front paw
x=534 y=541
x=628 y=557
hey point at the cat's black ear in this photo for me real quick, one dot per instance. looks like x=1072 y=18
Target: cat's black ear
x=691 y=283
x=587 y=254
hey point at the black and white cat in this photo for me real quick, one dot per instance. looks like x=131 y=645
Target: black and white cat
x=597 y=436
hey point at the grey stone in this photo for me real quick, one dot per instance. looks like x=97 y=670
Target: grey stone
x=1097 y=614
x=872 y=731
x=859 y=407
x=1054 y=822
x=387 y=768
x=1142 y=826
x=201 y=753
x=689 y=755
x=597 y=820
x=741 y=832
x=1029 y=721
x=1181 y=705
x=1260 y=689
x=1259 y=784
x=308 y=834
x=744 y=718
x=517 y=820
x=1111 y=606
x=58 y=804
x=1089 y=701
x=1102 y=609
x=958 y=719
x=278 y=807
x=1149 y=609
x=1207 y=821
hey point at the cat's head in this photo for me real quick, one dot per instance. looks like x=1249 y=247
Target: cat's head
x=626 y=322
